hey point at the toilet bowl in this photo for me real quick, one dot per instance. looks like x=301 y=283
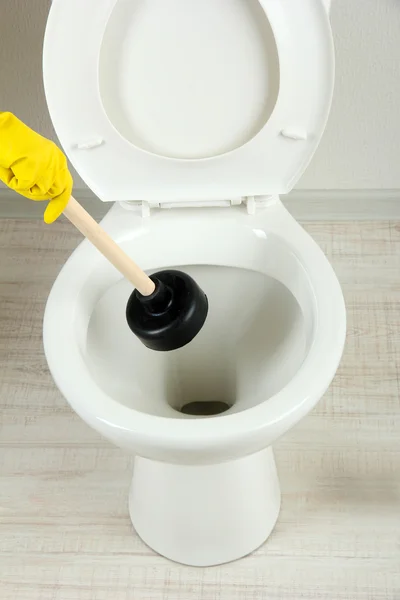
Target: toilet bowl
x=200 y=421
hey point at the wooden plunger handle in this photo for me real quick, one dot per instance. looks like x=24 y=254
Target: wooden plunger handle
x=106 y=245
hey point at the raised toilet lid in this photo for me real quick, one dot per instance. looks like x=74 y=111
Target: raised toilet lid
x=187 y=100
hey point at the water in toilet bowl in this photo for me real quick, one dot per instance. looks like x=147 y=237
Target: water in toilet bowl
x=254 y=341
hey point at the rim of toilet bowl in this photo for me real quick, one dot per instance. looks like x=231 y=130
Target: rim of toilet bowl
x=240 y=432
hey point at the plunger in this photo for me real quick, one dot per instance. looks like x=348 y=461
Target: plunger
x=165 y=311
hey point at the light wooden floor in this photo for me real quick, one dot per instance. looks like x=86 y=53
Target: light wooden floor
x=65 y=533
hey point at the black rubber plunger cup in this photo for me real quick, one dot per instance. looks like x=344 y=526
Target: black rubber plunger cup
x=172 y=315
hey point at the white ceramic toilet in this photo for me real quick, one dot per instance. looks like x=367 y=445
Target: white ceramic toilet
x=192 y=117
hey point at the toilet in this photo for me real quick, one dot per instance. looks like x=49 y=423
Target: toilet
x=191 y=118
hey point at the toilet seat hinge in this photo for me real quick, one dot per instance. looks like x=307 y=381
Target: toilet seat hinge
x=146 y=207
x=256 y=202
x=251 y=203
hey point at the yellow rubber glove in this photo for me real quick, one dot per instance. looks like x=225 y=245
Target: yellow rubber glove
x=33 y=166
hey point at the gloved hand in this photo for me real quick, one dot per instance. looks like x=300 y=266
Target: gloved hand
x=33 y=166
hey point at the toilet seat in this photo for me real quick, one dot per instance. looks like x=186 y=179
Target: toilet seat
x=285 y=252
x=118 y=170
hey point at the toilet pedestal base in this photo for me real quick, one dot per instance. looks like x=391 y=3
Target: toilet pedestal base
x=204 y=515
